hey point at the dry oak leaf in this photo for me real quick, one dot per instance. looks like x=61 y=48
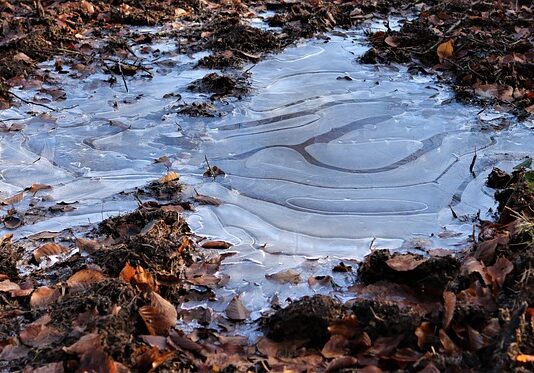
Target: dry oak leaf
x=160 y=316
x=85 y=344
x=445 y=50
x=48 y=249
x=37 y=187
x=403 y=263
x=392 y=41
x=44 y=296
x=13 y=199
x=289 y=276
x=85 y=277
x=341 y=362
x=127 y=273
x=236 y=310
x=221 y=245
x=39 y=335
x=500 y=270
x=6 y=286
x=87 y=245
x=449 y=302
x=170 y=176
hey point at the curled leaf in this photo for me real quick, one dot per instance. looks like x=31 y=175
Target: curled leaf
x=85 y=277
x=160 y=316
x=236 y=310
x=445 y=50
x=48 y=249
x=171 y=176
x=44 y=296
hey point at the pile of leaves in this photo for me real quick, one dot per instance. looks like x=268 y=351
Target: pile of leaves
x=109 y=301
x=429 y=313
x=486 y=47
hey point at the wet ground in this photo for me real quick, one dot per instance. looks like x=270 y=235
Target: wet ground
x=326 y=158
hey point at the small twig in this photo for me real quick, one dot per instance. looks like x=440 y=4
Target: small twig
x=31 y=102
x=472 y=166
x=123 y=78
x=209 y=167
x=372 y=243
x=454 y=215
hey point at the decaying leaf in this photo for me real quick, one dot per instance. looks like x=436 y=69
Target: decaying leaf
x=127 y=273
x=500 y=270
x=85 y=277
x=170 y=176
x=289 y=276
x=87 y=245
x=447 y=343
x=207 y=200
x=13 y=199
x=336 y=346
x=406 y=262
x=340 y=363
x=85 y=344
x=445 y=50
x=423 y=333
x=236 y=310
x=8 y=286
x=37 y=187
x=449 y=305
x=151 y=359
x=221 y=245
x=160 y=316
x=392 y=41
x=44 y=296
x=39 y=335
x=48 y=249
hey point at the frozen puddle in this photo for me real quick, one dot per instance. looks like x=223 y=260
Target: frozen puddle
x=325 y=158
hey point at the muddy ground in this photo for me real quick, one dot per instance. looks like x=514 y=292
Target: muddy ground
x=108 y=299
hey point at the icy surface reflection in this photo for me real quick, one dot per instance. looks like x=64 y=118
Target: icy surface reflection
x=326 y=158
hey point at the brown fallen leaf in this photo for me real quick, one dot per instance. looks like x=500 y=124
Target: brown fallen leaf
x=12 y=222
x=97 y=361
x=221 y=245
x=87 y=7
x=39 y=336
x=500 y=270
x=405 y=262
x=206 y=200
x=236 y=310
x=342 y=362
x=449 y=304
x=44 y=296
x=13 y=199
x=445 y=50
x=85 y=344
x=7 y=286
x=289 y=276
x=160 y=316
x=48 y=249
x=85 y=277
x=447 y=343
x=152 y=358
x=127 y=273
x=170 y=176
x=37 y=187
x=12 y=352
x=423 y=333
x=87 y=245
x=347 y=327
x=392 y=41
x=336 y=346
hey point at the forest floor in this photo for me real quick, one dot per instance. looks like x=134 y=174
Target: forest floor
x=112 y=301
